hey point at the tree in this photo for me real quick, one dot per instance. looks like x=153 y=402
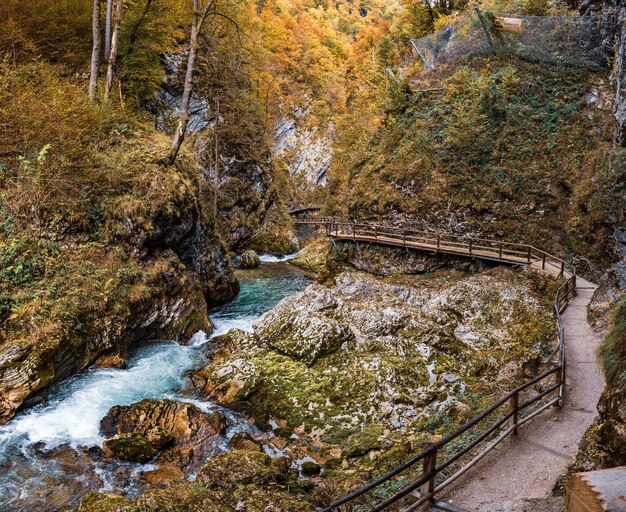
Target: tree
x=107 y=30
x=119 y=12
x=197 y=23
x=95 y=49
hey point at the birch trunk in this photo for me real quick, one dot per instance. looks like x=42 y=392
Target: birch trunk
x=107 y=30
x=113 y=51
x=95 y=50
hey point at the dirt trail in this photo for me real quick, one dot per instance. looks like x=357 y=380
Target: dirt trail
x=528 y=466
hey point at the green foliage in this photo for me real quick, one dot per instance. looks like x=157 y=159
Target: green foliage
x=503 y=143
x=535 y=7
x=612 y=352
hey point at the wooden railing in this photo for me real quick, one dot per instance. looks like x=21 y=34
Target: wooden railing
x=428 y=473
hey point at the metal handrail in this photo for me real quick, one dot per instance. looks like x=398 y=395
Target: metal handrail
x=426 y=482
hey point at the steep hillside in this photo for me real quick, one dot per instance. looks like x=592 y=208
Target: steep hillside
x=101 y=246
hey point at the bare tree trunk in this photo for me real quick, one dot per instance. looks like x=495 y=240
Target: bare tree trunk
x=183 y=118
x=95 y=50
x=114 y=46
x=107 y=30
x=216 y=173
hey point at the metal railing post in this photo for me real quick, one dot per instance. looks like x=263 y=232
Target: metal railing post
x=562 y=269
x=430 y=463
x=515 y=411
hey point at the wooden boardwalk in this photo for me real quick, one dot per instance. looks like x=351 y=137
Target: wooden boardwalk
x=426 y=476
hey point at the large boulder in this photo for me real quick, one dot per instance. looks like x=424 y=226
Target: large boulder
x=181 y=432
x=249 y=259
x=133 y=447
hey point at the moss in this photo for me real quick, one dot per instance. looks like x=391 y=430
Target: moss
x=96 y=502
x=364 y=441
x=309 y=468
x=243 y=467
x=132 y=446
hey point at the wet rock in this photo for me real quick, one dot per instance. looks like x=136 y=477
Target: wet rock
x=132 y=447
x=183 y=434
x=163 y=475
x=284 y=432
x=249 y=259
x=110 y=361
x=244 y=441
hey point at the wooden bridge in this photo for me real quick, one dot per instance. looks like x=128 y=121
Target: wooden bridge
x=417 y=482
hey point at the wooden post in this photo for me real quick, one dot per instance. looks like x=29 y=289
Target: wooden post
x=353 y=232
x=438 y=241
x=376 y=232
x=562 y=269
x=430 y=463
x=543 y=264
x=500 y=250
x=470 y=246
x=529 y=254
x=515 y=411
x=404 y=236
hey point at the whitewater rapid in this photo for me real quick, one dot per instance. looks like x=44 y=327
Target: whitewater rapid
x=71 y=417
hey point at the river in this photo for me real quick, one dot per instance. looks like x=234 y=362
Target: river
x=48 y=455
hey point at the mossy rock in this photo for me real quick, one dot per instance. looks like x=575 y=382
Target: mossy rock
x=333 y=463
x=310 y=468
x=243 y=467
x=284 y=432
x=363 y=442
x=314 y=257
x=132 y=447
x=159 y=437
x=303 y=338
x=96 y=502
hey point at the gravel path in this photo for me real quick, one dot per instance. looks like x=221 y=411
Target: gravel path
x=528 y=466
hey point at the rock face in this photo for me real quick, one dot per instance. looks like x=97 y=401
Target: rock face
x=331 y=361
x=308 y=152
x=181 y=434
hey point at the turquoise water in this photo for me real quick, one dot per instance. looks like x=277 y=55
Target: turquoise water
x=45 y=459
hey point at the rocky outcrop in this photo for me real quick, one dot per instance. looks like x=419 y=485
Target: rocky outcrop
x=368 y=352
x=181 y=434
x=188 y=270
